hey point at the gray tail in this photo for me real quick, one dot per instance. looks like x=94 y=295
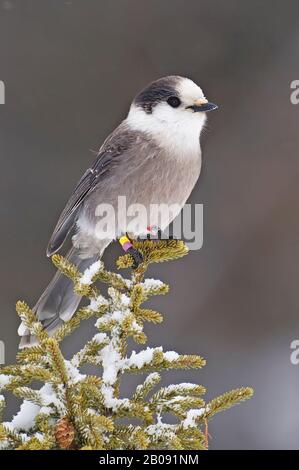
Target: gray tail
x=58 y=302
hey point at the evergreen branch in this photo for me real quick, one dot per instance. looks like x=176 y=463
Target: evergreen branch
x=2 y=406
x=137 y=297
x=36 y=444
x=144 y=389
x=27 y=393
x=86 y=290
x=29 y=318
x=160 y=363
x=23 y=374
x=155 y=251
x=92 y=435
x=83 y=411
x=112 y=279
x=59 y=367
x=227 y=400
x=172 y=391
x=146 y=314
x=192 y=438
x=31 y=354
x=129 y=437
x=68 y=327
x=90 y=350
x=10 y=435
x=131 y=327
x=152 y=287
x=135 y=410
x=57 y=360
x=42 y=423
x=66 y=267
x=178 y=406
x=185 y=362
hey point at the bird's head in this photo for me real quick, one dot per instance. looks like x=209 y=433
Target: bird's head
x=170 y=106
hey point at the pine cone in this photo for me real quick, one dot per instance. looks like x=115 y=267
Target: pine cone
x=64 y=433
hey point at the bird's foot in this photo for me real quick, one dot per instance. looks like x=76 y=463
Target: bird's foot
x=154 y=233
x=134 y=252
x=136 y=255
x=159 y=235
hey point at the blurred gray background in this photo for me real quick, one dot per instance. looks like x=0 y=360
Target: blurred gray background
x=71 y=69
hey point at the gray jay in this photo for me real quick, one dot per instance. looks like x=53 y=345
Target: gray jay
x=152 y=157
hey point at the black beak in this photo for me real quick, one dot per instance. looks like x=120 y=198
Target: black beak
x=203 y=108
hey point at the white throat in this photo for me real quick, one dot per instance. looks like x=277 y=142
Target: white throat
x=177 y=132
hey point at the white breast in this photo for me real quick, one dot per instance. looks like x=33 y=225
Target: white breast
x=176 y=130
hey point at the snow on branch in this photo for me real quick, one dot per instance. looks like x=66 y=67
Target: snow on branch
x=81 y=411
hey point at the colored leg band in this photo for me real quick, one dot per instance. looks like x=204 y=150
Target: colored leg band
x=125 y=243
x=153 y=229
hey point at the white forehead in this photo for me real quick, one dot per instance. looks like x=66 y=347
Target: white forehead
x=188 y=90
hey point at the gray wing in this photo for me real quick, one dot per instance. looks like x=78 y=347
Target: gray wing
x=116 y=151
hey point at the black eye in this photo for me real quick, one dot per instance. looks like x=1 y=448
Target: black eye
x=174 y=101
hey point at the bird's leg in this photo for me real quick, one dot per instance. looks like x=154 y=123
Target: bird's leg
x=153 y=230
x=128 y=248
x=157 y=232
